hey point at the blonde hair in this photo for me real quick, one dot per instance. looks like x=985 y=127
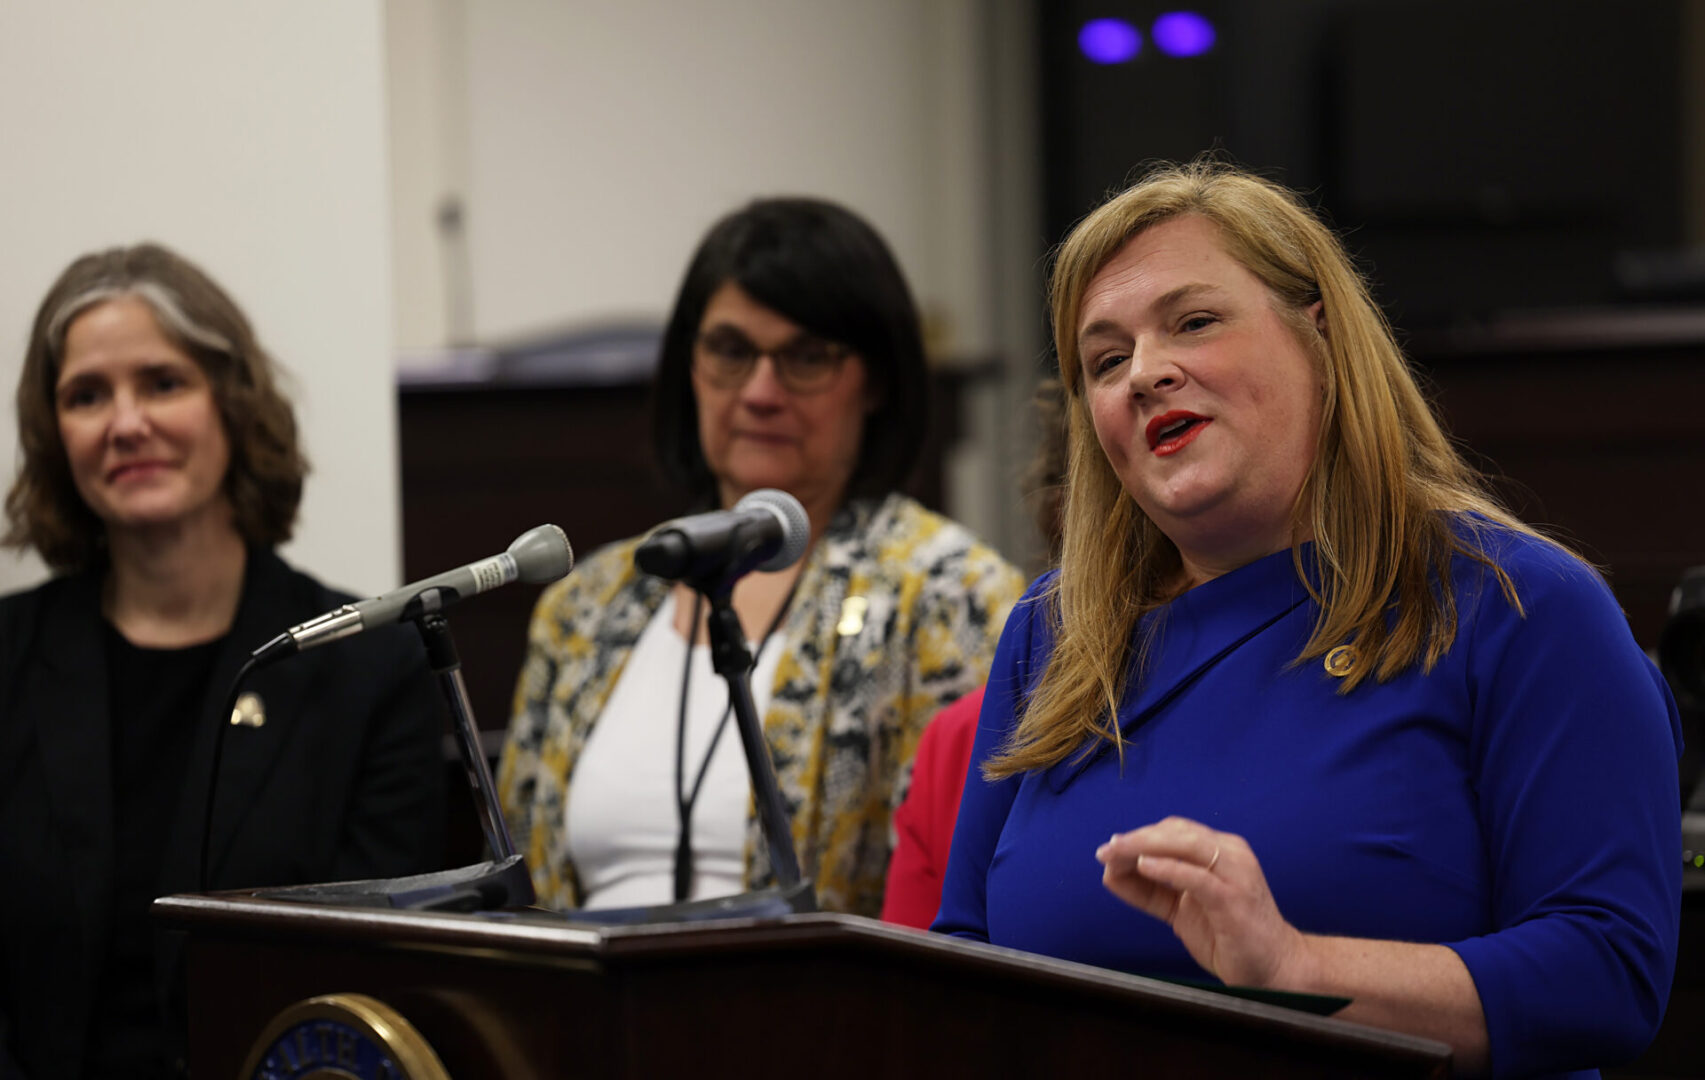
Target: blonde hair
x=1387 y=499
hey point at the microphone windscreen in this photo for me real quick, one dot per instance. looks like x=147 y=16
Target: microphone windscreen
x=796 y=527
x=542 y=555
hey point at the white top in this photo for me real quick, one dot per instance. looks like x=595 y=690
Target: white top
x=622 y=818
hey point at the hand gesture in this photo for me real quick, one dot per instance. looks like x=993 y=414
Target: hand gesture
x=1209 y=888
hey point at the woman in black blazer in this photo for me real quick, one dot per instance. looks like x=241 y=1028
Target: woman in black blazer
x=160 y=467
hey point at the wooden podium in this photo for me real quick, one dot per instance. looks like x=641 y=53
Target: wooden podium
x=521 y=995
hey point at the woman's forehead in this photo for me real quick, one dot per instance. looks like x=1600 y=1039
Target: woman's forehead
x=1174 y=261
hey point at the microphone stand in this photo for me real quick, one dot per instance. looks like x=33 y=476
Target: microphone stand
x=733 y=662
x=731 y=659
x=504 y=881
x=447 y=665
x=500 y=883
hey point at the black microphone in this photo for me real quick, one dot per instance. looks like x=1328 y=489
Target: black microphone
x=766 y=530
x=539 y=555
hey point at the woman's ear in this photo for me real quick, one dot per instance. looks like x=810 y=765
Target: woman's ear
x=1317 y=312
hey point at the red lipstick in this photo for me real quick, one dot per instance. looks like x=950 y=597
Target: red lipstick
x=1172 y=431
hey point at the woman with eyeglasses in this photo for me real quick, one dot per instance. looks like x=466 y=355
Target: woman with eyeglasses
x=792 y=360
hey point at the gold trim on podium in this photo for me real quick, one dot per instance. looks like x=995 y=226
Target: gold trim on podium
x=320 y=1052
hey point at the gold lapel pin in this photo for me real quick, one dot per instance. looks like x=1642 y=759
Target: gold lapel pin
x=249 y=711
x=852 y=616
x=1341 y=661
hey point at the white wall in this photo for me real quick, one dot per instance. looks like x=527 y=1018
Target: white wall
x=591 y=142
x=251 y=137
x=426 y=64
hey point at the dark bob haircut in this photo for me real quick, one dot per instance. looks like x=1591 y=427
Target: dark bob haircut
x=825 y=268
x=264 y=479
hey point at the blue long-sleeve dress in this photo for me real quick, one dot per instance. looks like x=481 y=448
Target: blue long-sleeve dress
x=1518 y=804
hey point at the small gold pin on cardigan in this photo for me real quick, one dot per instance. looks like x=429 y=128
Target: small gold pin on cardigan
x=852 y=616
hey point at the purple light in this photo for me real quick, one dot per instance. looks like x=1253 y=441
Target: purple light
x=1183 y=33
x=1109 y=41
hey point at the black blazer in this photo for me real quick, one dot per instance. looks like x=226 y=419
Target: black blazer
x=344 y=780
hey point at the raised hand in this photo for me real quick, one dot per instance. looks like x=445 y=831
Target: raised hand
x=1209 y=888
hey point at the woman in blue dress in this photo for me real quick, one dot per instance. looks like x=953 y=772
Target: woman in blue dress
x=1303 y=707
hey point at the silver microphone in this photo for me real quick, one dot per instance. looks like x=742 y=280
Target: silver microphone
x=539 y=555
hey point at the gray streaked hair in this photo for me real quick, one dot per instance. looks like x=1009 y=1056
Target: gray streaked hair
x=168 y=311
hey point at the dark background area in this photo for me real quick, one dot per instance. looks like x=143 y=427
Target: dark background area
x=1479 y=157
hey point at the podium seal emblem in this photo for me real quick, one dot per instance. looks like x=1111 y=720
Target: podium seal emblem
x=342 y=1037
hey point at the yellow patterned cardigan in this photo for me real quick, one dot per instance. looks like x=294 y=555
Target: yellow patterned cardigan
x=851 y=696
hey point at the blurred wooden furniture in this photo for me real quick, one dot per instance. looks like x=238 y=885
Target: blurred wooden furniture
x=1593 y=423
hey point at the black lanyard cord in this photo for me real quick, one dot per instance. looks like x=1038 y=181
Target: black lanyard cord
x=684 y=800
